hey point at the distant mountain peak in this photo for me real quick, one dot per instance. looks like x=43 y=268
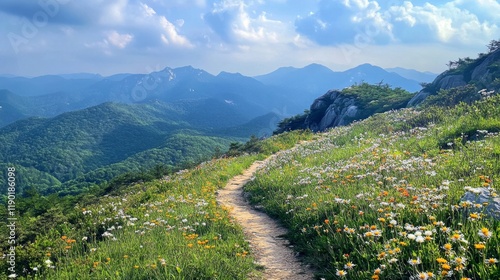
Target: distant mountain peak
x=224 y=73
x=366 y=66
x=187 y=67
x=191 y=70
x=413 y=74
x=316 y=66
x=81 y=76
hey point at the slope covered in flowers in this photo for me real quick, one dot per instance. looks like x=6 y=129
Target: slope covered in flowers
x=380 y=199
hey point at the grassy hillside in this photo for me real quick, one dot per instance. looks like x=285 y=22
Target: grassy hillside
x=168 y=228
x=380 y=199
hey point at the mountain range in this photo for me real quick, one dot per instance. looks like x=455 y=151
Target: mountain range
x=286 y=91
x=316 y=78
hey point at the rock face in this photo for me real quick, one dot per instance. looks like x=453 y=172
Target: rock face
x=443 y=81
x=482 y=72
x=451 y=81
x=330 y=110
x=418 y=98
x=479 y=72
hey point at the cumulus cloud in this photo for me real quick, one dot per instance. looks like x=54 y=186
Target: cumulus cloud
x=112 y=39
x=451 y=22
x=148 y=28
x=280 y=32
x=119 y=40
x=148 y=11
x=232 y=22
x=170 y=34
x=343 y=21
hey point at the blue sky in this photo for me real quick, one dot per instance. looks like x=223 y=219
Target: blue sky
x=251 y=37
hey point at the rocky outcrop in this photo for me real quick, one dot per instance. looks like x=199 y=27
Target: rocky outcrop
x=341 y=107
x=482 y=72
x=330 y=110
x=451 y=81
x=418 y=98
x=478 y=198
x=479 y=72
x=443 y=81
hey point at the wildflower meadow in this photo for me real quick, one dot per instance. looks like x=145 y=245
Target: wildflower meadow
x=381 y=198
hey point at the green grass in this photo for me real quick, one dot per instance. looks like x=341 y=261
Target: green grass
x=363 y=194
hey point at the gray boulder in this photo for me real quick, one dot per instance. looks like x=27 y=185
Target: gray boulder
x=330 y=110
x=493 y=208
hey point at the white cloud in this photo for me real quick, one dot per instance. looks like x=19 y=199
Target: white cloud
x=119 y=40
x=112 y=39
x=403 y=13
x=148 y=11
x=179 y=22
x=113 y=12
x=233 y=22
x=171 y=36
x=188 y=3
x=260 y=29
x=448 y=23
x=487 y=9
x=360 y=4
x=339 y=22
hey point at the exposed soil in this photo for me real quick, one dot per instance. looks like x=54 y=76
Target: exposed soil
x=270 y=249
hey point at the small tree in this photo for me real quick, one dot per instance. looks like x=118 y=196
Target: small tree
x=493 y=45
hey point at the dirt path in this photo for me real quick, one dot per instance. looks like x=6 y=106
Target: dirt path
x=263 y=233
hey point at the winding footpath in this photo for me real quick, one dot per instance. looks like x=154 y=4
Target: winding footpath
x=270 y=249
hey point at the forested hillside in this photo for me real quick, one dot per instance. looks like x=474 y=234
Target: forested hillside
x=78 y=150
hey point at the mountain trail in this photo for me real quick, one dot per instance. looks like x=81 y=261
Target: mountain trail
x=270 y=249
